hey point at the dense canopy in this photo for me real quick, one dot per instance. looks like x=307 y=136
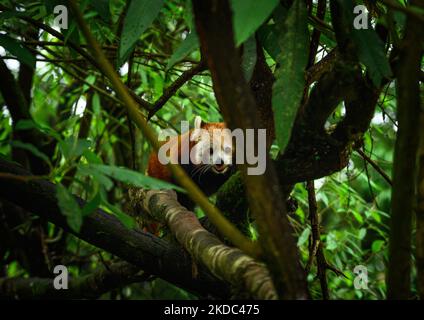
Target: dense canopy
x=87 y=87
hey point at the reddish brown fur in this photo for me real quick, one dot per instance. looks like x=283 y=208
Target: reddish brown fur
x=211 y=181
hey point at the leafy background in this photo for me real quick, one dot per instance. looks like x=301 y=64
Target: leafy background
x=354 y=203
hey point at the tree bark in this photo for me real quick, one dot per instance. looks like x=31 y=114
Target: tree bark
x=249 y=278
x=419 y=238
x=405 y=160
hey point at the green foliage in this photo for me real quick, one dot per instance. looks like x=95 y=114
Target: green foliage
x=353 y=204
x=69 y=207
x=190 y=43
x=18 y=50
x=139 y=17
x=369 y=46
x=249 y=15
x=288 y=88
x=102 y=7
x=132 y=177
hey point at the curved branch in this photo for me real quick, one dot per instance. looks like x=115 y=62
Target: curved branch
x=229 y=264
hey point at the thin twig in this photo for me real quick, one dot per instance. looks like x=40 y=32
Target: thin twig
x=375 y=166
x=170 y=91
x=316 y=246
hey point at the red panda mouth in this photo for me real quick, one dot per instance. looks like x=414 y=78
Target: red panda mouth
x=220 y=168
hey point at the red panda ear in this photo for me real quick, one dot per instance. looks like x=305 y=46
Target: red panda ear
x=197 y=122
x=197 y=131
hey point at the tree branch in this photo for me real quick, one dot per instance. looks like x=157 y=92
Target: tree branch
x=246 y=275
x=103 y=230
x=88 y=287
x=173 y=88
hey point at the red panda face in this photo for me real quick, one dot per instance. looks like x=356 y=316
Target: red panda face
x=206 y=153
x=213 y=148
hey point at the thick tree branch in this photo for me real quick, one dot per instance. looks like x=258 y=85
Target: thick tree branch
x=103 y=230
x=90 y=286
x=246 y=275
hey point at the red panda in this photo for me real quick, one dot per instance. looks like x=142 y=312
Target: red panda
x=210 y=161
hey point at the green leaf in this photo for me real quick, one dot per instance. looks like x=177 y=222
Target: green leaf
x=331 y=242
x=102 y=8
x=303 y=237
x=269 y=39
x=371 y=54
x=133 y=177
x=96 y=104
x=73 y=148
x=51 y=4
x=99 y=177
x=269 y=34
x=357 y=216
x=92 y=205
x=370 y=48
x=10 y=14
x=189 y=44
x=31 y=148
x=139 y=17
x=91 y=79
x=377 y=245
x=249 y=15
x=249 y=58
x=126 y=220
x=91 y=157
x=17 y=50
x=288 y=88
x=69 y=207
x=27 y=124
